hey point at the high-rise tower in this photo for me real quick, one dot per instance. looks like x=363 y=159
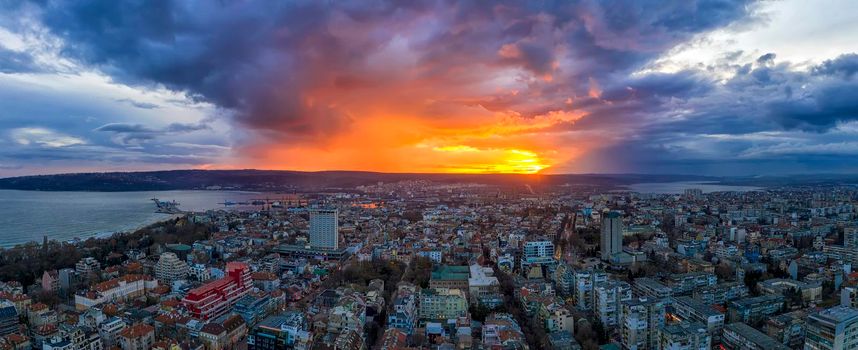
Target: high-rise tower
x=324 y=229
x=612 y=235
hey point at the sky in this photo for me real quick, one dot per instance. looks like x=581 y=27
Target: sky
x=686 y=87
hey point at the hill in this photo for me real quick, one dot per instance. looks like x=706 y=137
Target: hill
x=273 y=180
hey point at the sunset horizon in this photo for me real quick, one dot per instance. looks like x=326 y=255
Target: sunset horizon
x=701 y=87
x=428 y=174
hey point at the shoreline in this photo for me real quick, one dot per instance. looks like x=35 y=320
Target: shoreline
x=104 y=235
x=78 y=216
x=100 y=235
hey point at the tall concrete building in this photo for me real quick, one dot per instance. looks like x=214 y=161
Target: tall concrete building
x=537 y=252
x=833 y=328
x=324 y=229
x=612 y=235
x=8 y=318
x=170 y=268
x=850 y=237
x=684 y=336
x=641 y=319
x=608 y=301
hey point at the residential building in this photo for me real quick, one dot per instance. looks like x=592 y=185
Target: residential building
x=253 y=308
x=109 y=331
x=564 y=279
x=830 y=329
x=452 y=277
x=612 y=235
x=200 y=272
x=740 y=336
x=652 y=288
x=86 y=266
x=9 y=322
x=721 y=293
x=324 y=229
x=404 y=313
x=50 y=281
x=484 y=287
x=756 y=309
x=685 y=283
x=502 y=331
x=117 y=289
x=788 y=328
x=213 y=336
x=810 y=291
x=288 y=330
x=585 y=281
x=563 y=340
x=684 y=336
x=556 y=318
x=140 y=336
x=608 y=301
x=442 y=304
x=170 y=268
x=692 y=310
x=394 y=339
x=642 y=317
x=537 y=253
x=217 y=297
x=849 y=296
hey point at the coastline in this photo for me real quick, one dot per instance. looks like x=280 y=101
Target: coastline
x=101 y=235
x=105 y=235
x=29 y=216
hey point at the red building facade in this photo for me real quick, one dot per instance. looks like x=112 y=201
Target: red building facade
x=217 y=297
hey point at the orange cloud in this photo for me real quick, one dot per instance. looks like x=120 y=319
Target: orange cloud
x=491 y=143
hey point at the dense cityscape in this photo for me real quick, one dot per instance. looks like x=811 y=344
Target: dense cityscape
x=428 y=175
x=426 y=265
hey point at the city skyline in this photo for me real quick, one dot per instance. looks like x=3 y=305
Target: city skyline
x=706 y=87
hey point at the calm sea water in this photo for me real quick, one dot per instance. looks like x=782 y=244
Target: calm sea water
x=30 y=215
x=680 y=187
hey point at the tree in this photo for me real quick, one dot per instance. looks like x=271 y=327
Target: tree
x=479 y=312
x=585 y=336
x=724 y=272
x=751 y=280
x=419 y=272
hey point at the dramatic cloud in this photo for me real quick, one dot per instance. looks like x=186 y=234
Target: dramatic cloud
x=133 y=134
x=435 y=85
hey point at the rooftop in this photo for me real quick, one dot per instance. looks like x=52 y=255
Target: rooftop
x=448 y=272
x=745 y=302
x=837 y=314
x=759 y=338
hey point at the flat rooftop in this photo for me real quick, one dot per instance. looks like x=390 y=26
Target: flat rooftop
x=837 y=314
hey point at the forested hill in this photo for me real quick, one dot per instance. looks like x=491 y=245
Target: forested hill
x=268 y=180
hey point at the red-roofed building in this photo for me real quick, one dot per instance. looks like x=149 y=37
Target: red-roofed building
x=50 y=281
x=217 y=297
x=117 y=289
x=137 y=337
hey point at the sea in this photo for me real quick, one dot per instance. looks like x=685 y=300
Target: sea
x=681 y=186
x=27 y=216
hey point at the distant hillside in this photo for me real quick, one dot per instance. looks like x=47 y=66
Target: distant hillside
x=262 y=180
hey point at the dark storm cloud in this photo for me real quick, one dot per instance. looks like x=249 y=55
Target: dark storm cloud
x=820 y=111
x=303 y=71
x=845 y=65
x=133 y=134
x=769 y=119
x=767 y=59
x=263 y=59
x=683 y=84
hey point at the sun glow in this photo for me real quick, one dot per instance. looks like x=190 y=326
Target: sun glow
x=492 y=161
